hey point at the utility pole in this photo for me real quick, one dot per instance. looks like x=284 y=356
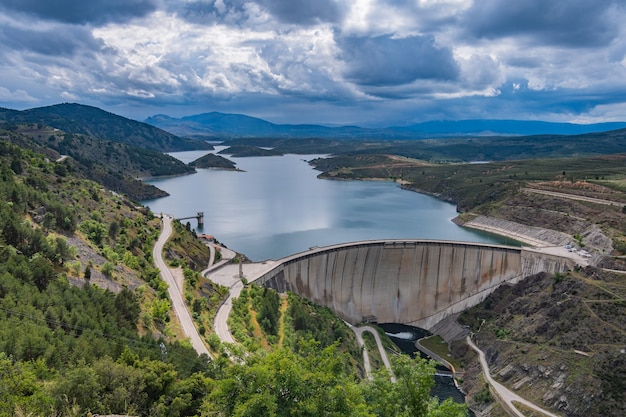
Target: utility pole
x=163 y=351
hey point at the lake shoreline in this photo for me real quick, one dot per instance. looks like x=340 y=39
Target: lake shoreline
x=279 y=207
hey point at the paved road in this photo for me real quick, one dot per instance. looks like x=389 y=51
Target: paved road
x=227 y=275
x=358 y=331
x=180 y=309
x=503 y=392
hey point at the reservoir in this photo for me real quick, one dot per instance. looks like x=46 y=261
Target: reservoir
x=276 y=206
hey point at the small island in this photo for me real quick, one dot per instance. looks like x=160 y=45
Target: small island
x=240 y=151
x=213 y=161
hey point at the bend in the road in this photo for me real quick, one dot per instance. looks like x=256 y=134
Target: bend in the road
x=178 y=303
x=228 y=275
x=506 y=395
x=358 y=332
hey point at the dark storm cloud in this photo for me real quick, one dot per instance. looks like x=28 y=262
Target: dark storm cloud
x=304 y=12
x=570 y=23
x=388 y=61
x=230 y=12
x=56 y=42
x=236 y=12
x=82 y=11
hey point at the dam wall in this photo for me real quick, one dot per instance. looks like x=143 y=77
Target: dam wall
x=414 y=282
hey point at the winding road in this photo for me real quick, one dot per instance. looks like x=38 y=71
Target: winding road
x=507 y=396
x=358 y=331
x=175 y=293
x=227 y=274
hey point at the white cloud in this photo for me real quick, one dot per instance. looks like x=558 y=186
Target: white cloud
x=66 y=95
x=349 y=61
x=19 y=96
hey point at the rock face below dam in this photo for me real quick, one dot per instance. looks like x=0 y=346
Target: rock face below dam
x=414 y=282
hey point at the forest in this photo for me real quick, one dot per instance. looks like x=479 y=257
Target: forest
x=69 y=347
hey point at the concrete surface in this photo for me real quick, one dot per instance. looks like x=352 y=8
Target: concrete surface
x=175 y=293
x=414 y=282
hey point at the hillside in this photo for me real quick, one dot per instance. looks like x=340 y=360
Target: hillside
x=533 y=333
x=487 y=127
x=558 y=340
x=86 y=324
x=212 y=161
x=80 y=303
x=100 y=124
x=115 y=165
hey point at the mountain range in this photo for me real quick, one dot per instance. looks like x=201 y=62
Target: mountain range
x=167 y=134
x=220 y=126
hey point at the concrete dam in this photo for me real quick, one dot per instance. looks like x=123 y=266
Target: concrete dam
x=415 y=282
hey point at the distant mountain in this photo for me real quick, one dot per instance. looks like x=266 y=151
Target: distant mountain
x=221 y=126
x=100 y=124
x=487 y=127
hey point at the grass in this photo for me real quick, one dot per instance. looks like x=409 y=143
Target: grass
x=440 y=347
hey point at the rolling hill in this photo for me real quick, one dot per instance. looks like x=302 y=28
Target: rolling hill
x=100 y=124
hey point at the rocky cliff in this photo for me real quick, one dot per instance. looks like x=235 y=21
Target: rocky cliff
x=558 y=340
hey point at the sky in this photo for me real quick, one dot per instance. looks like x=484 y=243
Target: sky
x=364 y=62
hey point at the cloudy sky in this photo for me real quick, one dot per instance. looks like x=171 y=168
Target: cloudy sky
x=367 y=62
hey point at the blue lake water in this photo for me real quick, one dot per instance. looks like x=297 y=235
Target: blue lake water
x=278 y=207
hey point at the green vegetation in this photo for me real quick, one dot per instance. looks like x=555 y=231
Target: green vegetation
x=92 y=121
x=114 y=165
x=184 y=248
x=453 y=150
x=471 y=185
x=69 y=347
x=311 y=382
x=410 y=396
x=256 y=317
x=439 y=346
x=62 y=345
x=211 y=160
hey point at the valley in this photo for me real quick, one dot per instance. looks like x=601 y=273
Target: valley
x=78 y=279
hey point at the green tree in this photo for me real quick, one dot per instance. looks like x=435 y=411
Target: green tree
x=94 y=230
x=160 y=309
x=107 y=268
x=42 y=272
x=20 y=390
x=16 y=166
x=79 y=386
x=285 y=383
x=409 y=396
x=114 y=229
